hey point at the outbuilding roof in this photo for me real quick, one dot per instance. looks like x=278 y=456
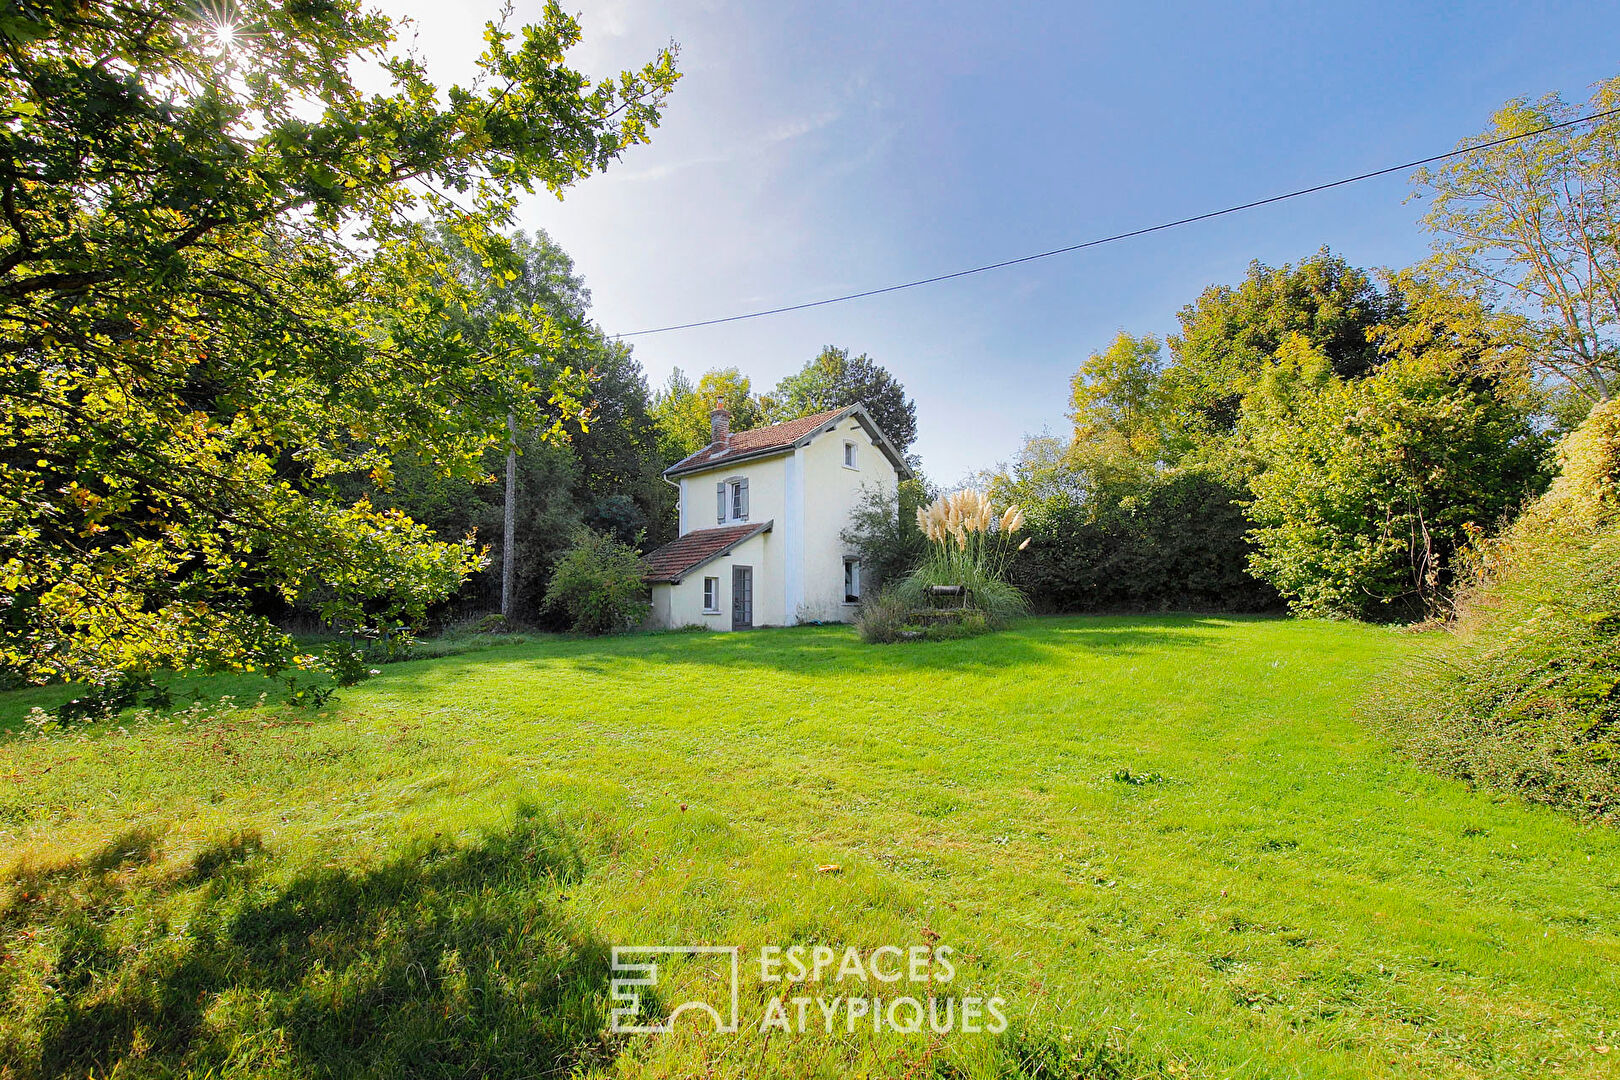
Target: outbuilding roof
x=672 y=562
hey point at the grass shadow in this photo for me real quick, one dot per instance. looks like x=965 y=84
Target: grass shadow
x=834 y=650
x=452 y=960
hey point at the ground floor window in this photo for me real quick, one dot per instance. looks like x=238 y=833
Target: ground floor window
x=711 y=594
x=852 y=581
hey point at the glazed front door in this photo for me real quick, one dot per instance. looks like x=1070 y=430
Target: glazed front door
x=742 y=597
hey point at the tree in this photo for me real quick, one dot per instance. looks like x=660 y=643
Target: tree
x=613 y=444
x=1373 y=486
x=605 y=476
x=681 y=410
x=541 y=281
x=835 y=379
x=620 y=479
x=219 y=297
x=1230 y=336
x=1532 y=222
x=676 y=413
x=1117 y=400
x=1042 y=473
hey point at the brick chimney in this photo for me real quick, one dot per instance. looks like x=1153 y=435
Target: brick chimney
x=720 y=425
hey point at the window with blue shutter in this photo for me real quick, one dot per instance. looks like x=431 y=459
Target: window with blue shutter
x=731 y=498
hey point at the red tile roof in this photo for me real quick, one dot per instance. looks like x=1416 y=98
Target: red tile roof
x=755 y=442
x=680 y=557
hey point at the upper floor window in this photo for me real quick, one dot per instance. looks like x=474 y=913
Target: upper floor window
x=850 y=460
x=731 y=501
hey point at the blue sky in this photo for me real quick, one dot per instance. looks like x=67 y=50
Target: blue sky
x=823 y=147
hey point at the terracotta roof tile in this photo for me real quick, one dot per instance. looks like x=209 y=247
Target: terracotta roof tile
x=680 y=557
x=754 y=442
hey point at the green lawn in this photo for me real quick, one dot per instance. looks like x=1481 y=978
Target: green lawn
x=1169 y=843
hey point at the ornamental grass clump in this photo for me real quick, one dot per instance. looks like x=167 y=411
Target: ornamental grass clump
x=971 y=545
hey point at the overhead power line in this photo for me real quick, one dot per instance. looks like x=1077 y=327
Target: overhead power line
x=1161 y=227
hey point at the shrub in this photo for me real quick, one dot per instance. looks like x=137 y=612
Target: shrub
x=1173 y=540
x=597 y=586
x=966 y=544
x=1371 y=486
x=881 y=618
x=890 y=616
x=997 y=600
x=1524 y=694
x=969 y=544
x=884 y=532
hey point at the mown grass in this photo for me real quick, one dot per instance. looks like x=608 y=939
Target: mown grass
x=1168 y=842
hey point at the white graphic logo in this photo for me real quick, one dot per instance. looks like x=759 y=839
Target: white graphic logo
x=628 y=974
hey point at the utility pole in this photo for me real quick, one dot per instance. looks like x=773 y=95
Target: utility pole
x=509 y=541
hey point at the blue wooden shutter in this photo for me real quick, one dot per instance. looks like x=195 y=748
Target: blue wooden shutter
x=744 y=486
x=720 y=502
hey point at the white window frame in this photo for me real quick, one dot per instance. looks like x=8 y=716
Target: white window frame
x=852 y=458
x=852 y=576
x=711 y=596
x=737 y=499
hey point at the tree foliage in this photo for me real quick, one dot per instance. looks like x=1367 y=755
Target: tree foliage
x=1371 y=488
x=883 y=532
x=682 y=411
x=604 y=476
x=1315 y=432
x=1230 y=336
x=1117 y=397
x=1172 y=540
x=219 y=298
x=1532 y=224
x=835 y=379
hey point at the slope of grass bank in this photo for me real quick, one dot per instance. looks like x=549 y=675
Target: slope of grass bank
x=1167 y=842
x=1524 y=694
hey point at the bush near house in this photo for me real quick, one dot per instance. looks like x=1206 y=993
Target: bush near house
x=883 y=532
x=1525 y=693
x=597 y=586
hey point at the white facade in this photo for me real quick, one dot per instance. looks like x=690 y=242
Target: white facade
x=800 y=569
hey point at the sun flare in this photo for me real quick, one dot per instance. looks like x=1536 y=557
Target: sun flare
x=224 y=34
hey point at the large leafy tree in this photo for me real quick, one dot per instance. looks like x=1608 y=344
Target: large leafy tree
x=1118 y=404
x=1230 y=336
x=682 y=410
x=835 y=379
x=604 y=476
x=1337 y=436
x=1533 y=223
x=1373 y=486
x=219 y=297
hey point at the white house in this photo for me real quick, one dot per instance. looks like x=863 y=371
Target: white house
x=762 y=513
